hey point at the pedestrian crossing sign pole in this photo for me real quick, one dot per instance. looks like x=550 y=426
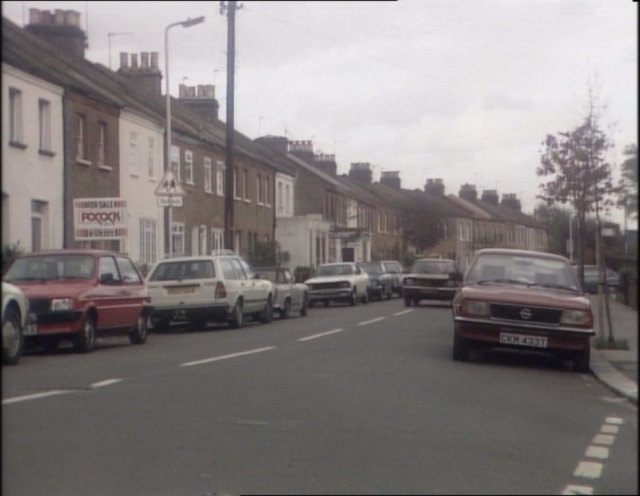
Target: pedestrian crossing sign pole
x=170 y=193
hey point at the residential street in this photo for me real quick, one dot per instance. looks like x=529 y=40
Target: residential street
x=349 y=400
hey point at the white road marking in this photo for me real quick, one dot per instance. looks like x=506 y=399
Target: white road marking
x=597 y=452
x=606 y=439
x=314 y=336
x=366 y=322
x=609 y=429
x=225 y=357
x=578 y=490
x=108 y=382
x=590 y=470
x=35 y=396
x=402 y=313
x=614 y=420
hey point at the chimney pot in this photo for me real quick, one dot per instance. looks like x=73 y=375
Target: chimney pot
x=72 y=18
x=191 y=91
x=124 y=60
x=183 y=91
x=134 y=60
x=35 y=16
x=144 y=59
x=200 y=91
x=58 y=18
x=154 y=60
x=210 y=91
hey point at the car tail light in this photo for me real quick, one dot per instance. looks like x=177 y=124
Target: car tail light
x=221 y=291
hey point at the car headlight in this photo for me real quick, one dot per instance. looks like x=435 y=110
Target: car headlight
x=345 y=284
x=451 y=283
x=581 y=318
x=474 y=308
x=58 y=304
x=408 y=281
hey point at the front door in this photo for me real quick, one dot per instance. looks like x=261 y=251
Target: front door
x=348 y=255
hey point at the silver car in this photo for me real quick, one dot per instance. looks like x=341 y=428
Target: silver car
x=15 y=306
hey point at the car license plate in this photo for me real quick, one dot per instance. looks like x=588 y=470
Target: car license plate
x=182 y=290
x=523 y=340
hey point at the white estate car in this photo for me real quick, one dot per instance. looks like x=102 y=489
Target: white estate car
x=338 y=282
x=15 y=307
x=219 y=287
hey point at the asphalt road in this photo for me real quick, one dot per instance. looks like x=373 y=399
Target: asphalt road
x=349 y=400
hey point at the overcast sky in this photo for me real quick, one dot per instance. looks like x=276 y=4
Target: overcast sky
x=459 y=90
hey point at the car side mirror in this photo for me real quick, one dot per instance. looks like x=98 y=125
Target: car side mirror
x=107 y=278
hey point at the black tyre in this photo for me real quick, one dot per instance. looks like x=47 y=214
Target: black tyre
x=390 y=294
x=354 y=298
x=85 y=340
x=305 y=304
x=365 y=297
x=581 y=360
x=325 y=303
x=266 y=315
x=139 y=332
x=311 y=303
x=460 y=349
x=286 y=311
x=12 y=337
x=407 y=302
x=236 y=317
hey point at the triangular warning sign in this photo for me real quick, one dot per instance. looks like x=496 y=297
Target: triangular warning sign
x=170 y=186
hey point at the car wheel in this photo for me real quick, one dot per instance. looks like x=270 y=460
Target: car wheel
x=286 y=311
x=407 y=302
x=303 y=310
x=138 y=334
x=325 y=303
x=311 y=303
x=235 y=320
x=354 y=297
x=162 y=325
x=365 y=297
x=416 y=302
x=581 y=360
x=460 y=349
x=390 y=294
x=85 y=340
x=12 y=338
x=266 y=315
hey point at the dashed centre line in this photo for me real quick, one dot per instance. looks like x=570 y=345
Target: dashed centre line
x=226 y=357
x=402 y=313
x=314 y=336
x=367 y=322
x=589 y=470
x=605 y=439
x=35 y=396
x=108 y=382
x=597 y=452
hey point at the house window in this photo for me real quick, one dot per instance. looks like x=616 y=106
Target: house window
x=195 y=232
x=178 y=238
x=133 y=153
x=102 y=143
x=147 y=241
x=39 y=224
x=175 y=162
x=151 y=155
x=236 y=244
x=259 y=189
x=188 y=166
x=280 y=198
x=217 y=239
x=287 y=199
x=44 y=121
x=220 y=178
x=15 y=115
x=208 y=178
x=267 y=192
x=81 y=137
x=245 y=180
x=236 y=185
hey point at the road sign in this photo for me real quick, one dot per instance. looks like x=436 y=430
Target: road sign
x=169 y=186
x=169 y=201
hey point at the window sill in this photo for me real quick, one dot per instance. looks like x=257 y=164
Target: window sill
x=17 y=144
x=81 y=161
x=260 y=204
x=46 y=153
x=106 y=168
x=220 y=195
x=246 y=201
x=153 y=180
x=268 y=205
x=190 y=183
x=134 y=174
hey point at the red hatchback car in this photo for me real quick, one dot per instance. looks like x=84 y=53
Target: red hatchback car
x=522 y=300
x=79 y=294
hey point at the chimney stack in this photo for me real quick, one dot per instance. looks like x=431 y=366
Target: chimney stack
x=434 y=187
x=326 y=162
x=468 y=192
x=303 y=150
x=147 y=76
x=490 y=196
x=391 y=179
x=511 y=200
x=201 y=100
x=278 y=144
x=60 y=28
x=361 y=172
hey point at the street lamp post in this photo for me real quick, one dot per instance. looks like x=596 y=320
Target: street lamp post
x=185 y=24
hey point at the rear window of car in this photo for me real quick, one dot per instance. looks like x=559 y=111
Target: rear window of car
x=184 y=270
x=434 y=267
x=51 y=268
x=392 y=267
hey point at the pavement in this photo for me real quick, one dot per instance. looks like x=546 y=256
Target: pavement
x=617 y=369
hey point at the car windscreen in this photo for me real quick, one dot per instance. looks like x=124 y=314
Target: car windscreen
x=528 y=270
x=335 y=270
x=269 y=275
x=51 y=268
x=183 y=270
x=433 y=267
x=372 y=268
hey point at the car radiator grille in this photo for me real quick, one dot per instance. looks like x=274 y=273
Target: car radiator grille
x=519 y=313
x=429 y=283
x=326 y=285
x=41 y=305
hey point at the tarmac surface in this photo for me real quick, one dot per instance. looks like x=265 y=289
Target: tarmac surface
x=617 y=369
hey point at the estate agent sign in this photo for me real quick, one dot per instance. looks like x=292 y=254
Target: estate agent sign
x=99 y=218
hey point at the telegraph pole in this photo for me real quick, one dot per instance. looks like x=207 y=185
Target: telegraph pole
x=230 y=10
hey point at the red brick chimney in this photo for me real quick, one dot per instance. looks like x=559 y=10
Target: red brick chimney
x=60 y=28
x=147 y=75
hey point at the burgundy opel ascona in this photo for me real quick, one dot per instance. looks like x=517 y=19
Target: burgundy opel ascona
x=78 y=295
x=523 y=300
